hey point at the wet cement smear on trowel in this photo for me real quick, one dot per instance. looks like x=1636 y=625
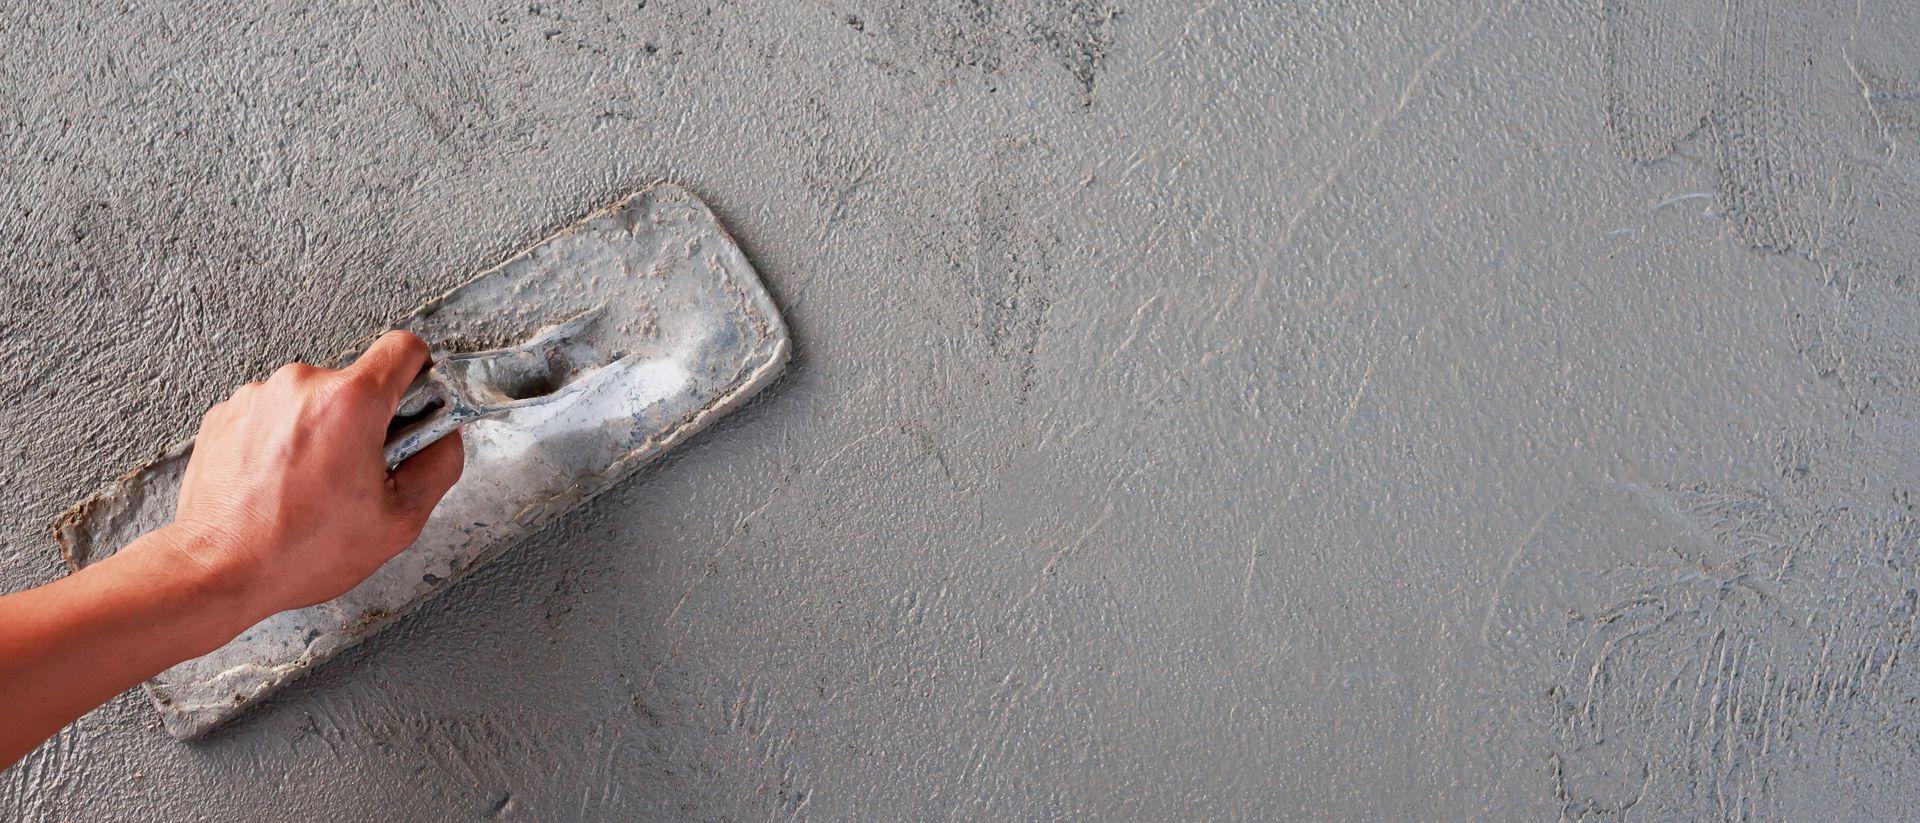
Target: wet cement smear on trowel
x=659 y=340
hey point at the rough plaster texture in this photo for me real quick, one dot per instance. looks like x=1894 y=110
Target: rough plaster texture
x=1352 y=410
x=665 y=329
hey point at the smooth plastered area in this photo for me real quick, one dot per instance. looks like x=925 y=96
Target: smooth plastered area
x=1355 y=410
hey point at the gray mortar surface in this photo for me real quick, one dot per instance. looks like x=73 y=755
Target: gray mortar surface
x=1363 y=410
x=666 y=329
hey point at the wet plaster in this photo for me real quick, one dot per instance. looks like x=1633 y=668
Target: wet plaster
x=1364 y=410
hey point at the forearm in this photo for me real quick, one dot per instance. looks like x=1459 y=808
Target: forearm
x=70 y=645
x=286 y=502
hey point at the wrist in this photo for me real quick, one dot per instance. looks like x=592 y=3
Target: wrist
x=213 y=603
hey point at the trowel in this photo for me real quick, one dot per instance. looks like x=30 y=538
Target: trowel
x=567 y=367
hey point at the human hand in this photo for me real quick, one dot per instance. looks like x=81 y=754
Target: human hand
x=287 y=498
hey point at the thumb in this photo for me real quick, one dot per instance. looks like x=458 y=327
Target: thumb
x=420 y=481
x=390 y=364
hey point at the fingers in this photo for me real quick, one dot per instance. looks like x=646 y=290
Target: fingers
x=420 y=481
x=390 y=364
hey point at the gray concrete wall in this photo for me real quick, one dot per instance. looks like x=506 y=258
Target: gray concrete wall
x=1354 y=410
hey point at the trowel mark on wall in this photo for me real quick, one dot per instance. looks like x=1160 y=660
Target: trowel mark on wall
x=431 y=57
x=845 y=180
x=1709 y=652
x=482 y=767
x=1081 y=45
x=1773 y=154
x=1013 y=265
x=1001 y=37
x=1800 y=108
x=1750 y=74
x=1659 y=62
x=1895 y=104
x=44 y=787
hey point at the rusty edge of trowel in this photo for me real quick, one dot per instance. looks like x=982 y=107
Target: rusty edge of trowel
x=66 y=526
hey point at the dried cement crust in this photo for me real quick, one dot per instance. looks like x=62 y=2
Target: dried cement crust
x=686 y=332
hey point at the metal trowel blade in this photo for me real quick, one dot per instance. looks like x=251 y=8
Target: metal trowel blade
x=683 y=331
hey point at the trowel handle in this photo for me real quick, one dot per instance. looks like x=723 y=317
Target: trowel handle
x=458 y=389
x=428 y=411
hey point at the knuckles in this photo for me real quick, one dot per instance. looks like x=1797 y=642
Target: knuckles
x=239 y=399
x=356 y=386
x=294 y=373
x=313 y=392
